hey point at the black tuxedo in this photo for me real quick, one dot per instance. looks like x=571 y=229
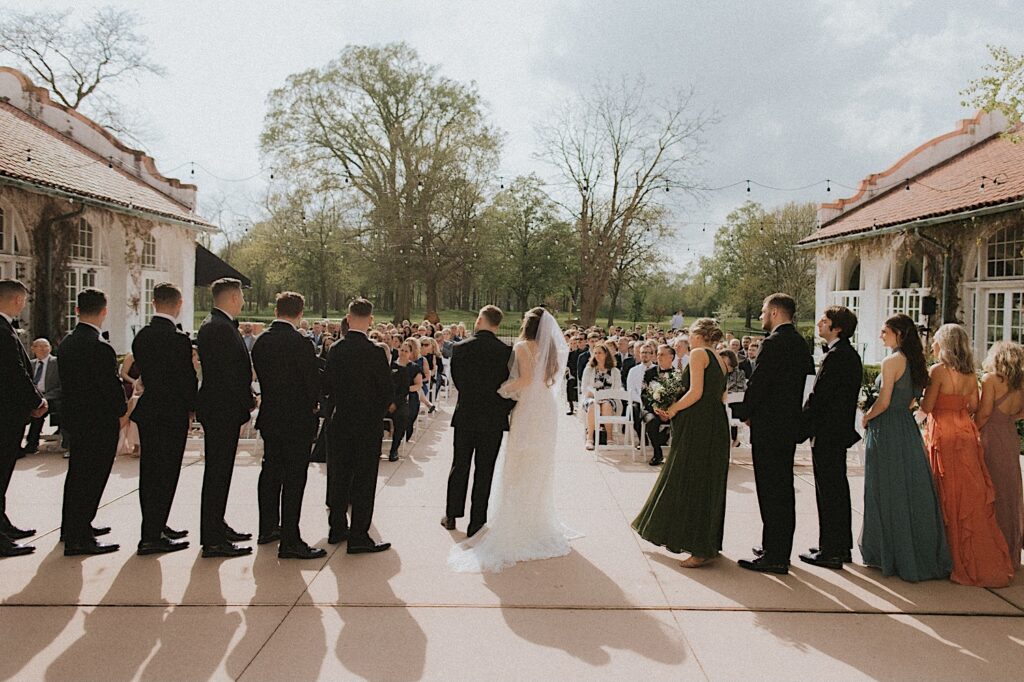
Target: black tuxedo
x=289 y=375
x=224 y=402
x=657 y=432
x=627 y=364
x=572 y=380
x=93 y=404
x=747 y=367
x=358 y=379
x=773 y=404
x=479 y=367
x=581 y=363
x=829 y=419
x=17 y=400
x=163 y=356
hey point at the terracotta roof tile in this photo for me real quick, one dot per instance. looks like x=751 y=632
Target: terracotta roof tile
x=62 y=163
x=951 y=186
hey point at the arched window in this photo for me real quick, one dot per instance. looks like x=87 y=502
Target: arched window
x=911 y=276
x=149 y=251
x=1005 y=256
x=82 y=247
x=853 y=281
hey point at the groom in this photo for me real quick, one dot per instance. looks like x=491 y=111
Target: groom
x=479 y=366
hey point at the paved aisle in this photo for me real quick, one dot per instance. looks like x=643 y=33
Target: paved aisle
x=615 y=608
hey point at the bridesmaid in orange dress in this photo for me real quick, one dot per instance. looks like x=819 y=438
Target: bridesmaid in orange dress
x=1002 y=404
x=966 y=495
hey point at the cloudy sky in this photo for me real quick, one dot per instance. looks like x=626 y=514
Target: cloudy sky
x=805 y=90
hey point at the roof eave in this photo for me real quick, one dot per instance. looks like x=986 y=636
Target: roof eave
x=88 y=200
x=912 y=224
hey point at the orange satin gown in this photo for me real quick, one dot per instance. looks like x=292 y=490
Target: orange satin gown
x=966 y=496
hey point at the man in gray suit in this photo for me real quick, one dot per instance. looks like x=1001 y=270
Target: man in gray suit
x=46 y=377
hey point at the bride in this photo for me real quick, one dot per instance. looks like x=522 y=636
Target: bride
x=522 y=524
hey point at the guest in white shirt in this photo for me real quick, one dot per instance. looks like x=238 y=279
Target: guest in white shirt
x=682 y=347
x=47 y=380
x=635 y=379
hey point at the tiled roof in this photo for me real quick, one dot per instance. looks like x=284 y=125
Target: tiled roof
x=35 y=153
x=951 y=186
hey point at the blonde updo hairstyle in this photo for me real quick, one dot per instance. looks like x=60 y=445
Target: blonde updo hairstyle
x=1006 y=360
x=707 y=328
x=955 y=348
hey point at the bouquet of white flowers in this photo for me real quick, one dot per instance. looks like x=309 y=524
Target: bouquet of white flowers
x=665 y=390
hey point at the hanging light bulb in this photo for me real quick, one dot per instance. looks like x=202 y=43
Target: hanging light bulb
x=828 y=185
x=419 y=184
x=748 y=185
x=110 y=162
x=28 y=155
x=907 y=186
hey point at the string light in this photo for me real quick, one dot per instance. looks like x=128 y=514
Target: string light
x=748 y=185
x=828 y=186
x=28 y=155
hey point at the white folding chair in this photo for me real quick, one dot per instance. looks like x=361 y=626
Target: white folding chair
x=622 y=395
x=736 y=397
x=446 y=387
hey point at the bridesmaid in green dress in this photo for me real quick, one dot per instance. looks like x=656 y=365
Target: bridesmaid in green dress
x=686 y=509
x=903 y=531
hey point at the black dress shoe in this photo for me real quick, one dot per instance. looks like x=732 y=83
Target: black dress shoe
x=225 y=549
x=816 y=559
x=161 y=546
x=267 y=538
x=172 y=534
x=448 y=523
x=759 y=564
x=234 y=536
x=847 y=556
x=10 y=548
x=392 y=458
x=301 y=551
x=472 y=530
x=337 y=536
x=18 y=533
x=656 y=461
x=90 y=548
x=98 y=531
x=370 y=547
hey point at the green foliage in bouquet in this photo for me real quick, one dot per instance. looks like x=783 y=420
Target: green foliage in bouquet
x=666 y=390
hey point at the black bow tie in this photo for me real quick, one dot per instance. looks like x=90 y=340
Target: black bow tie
x=16 y=324
x=179 y=327
x=105 y=335
x=824 y=348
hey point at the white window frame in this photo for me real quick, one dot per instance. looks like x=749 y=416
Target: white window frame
x=1008 y=244
x=83 y=248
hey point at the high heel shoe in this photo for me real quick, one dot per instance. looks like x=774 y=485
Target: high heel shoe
x=694 y=562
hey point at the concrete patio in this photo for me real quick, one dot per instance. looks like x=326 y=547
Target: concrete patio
x=615 y=608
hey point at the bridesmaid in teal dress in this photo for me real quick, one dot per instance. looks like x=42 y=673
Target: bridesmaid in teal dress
x=686 y=509
x=903 y=530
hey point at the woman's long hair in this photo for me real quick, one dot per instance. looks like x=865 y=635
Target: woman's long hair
x=528 y=332
x=1006 y=359
x=955 y=348
x=910 y=345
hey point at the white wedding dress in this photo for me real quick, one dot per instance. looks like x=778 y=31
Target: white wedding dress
x=522 y=523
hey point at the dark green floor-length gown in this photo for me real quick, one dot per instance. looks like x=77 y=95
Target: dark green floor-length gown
x=686 y=509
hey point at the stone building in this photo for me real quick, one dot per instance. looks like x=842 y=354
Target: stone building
x=78 y=208
x=938 y=236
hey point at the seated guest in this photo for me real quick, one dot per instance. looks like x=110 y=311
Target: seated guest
x=735 y=382
x=736 y=346
x=600 y=374
x=247 y=335
x=750 y=362
x=657 y=431
x=635 y=378
x=629 y=356
x=46 y=377
x=682 y=348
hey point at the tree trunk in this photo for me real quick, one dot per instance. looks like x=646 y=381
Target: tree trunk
x=403 y=296
x=614 y=295
x=430 y=285
x=749 y=314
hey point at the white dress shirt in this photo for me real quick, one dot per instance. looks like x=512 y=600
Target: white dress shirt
x=42 y=377
x=635 y=380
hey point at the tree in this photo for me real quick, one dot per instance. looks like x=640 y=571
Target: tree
x=755 y=255
x=379 y=120
x=619 y=151
x=1001 y=89
x=638 y=258
x=80 y=63
x=531 y=240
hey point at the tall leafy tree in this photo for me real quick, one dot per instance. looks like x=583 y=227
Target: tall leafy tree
x=381 y=121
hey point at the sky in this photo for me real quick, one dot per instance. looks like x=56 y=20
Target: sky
x=804 y=91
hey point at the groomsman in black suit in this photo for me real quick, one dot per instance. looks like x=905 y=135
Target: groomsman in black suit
x=479 y=367
x=359 y=384
x=289 y=375
x=773 y=405
x=224 y=402
x=94 y=412
x=829 y=418
x=20 y=400
x=163 y=355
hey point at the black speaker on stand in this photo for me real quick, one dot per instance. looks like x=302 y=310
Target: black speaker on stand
x=929 y=305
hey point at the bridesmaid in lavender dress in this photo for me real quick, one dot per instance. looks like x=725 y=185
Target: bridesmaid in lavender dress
x=1002 y=404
